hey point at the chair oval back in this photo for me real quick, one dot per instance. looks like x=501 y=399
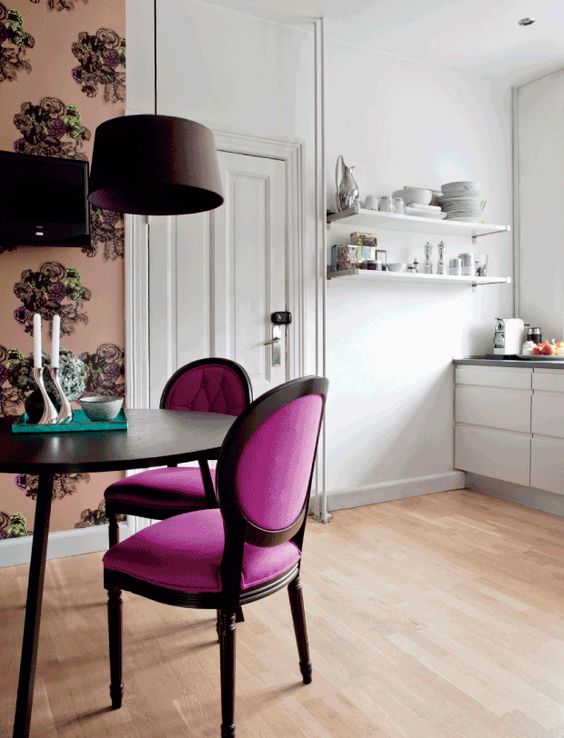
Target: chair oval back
x=266 y=462
x=211 y=385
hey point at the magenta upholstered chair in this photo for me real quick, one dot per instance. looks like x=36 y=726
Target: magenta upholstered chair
x=208 y=385
x=248 y=548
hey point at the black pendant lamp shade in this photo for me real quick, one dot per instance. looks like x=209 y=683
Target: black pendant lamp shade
x=154 y=165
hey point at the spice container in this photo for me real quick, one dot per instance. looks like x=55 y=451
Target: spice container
x=455 y=267
x=468 y=266
x=536 y=335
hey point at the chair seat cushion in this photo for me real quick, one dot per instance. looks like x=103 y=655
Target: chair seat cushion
x=175 y=486
x=184 y=553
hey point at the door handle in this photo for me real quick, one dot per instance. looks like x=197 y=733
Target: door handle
x=275 y=342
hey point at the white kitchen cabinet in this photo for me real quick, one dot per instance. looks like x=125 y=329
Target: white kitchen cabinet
x=548 y=380
x=493 y=376
x=547 y=417
x=494 y=407
x=493 y=453
x=547 y=464
x=509 y=424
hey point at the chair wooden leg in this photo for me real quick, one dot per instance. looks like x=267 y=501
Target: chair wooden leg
x=114 y=632
x=113 y=528
x=300 y=629
x=239 y=618
x=227 y=663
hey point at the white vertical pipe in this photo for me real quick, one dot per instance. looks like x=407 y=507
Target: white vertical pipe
x=516 y=222
x=320 y=503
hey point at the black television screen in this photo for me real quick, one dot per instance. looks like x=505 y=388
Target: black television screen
x=43 y=200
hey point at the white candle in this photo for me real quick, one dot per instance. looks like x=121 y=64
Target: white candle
x=56 y=332
x=37 y=341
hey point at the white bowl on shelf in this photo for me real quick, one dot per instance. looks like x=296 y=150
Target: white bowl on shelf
x=397 y=266
x=414 y=195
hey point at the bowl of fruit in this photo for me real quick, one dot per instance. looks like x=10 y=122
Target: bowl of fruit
x=545 y=350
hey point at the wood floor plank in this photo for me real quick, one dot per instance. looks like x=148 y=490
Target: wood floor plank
x=432 y=617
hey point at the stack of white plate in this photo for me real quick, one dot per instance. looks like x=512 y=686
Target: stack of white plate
x=425 y=211
x=462 y=201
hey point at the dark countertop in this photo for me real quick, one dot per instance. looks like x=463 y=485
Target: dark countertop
x=521 y=363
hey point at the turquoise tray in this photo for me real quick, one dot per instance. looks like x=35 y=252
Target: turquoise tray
x=79 y=422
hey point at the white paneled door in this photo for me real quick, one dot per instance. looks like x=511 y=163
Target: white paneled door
x=249 y=274
x=217 y=278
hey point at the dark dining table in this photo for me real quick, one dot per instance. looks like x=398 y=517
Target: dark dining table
x=154 y=438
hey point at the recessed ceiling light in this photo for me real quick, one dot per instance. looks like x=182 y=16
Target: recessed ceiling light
x=526 y=21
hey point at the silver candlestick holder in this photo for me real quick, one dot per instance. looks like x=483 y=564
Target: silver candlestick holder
x=65 y=413
x=49 y=412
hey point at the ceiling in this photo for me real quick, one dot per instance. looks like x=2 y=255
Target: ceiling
x=476 y=37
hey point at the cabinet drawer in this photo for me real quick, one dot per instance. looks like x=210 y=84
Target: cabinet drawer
x=493 y=453
x=547 y=417
x=551 y=380
x=547 y=464
x=493 y=376
x=493 y=407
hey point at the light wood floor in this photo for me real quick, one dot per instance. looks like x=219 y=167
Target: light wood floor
x=431 y=617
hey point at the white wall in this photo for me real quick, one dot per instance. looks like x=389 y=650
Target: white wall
x=390 y=347
x=540 y=138
x=389 y=350
x=230 y=70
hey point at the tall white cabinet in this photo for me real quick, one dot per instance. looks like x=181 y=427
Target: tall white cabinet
x=509 y=424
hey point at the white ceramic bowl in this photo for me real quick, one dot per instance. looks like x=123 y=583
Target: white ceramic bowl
x=417 y=195
x=461 y=188
x=397 y=266
x=100 y=407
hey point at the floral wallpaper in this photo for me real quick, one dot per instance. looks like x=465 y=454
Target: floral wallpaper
x=62 y=72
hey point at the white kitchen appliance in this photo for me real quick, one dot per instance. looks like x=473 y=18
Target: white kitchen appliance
x=508 y=336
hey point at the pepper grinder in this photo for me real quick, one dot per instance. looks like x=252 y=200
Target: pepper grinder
x=427 y=264
x=441 y=263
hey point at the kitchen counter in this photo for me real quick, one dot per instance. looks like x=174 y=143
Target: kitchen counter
x=505 y=363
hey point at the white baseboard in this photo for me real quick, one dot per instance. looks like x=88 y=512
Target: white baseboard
x=16 y=551
x=395 y=490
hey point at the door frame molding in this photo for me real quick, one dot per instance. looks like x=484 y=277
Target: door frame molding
x=136 y=269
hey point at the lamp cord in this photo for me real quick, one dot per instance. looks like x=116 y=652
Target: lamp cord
x=155 y=51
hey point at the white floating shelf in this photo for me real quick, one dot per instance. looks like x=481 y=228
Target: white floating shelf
x=374 y=276
x=375 y=220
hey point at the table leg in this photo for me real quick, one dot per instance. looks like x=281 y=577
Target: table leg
x=33 y=606
x=209 y=489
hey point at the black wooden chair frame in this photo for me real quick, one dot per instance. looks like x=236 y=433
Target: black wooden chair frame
x=115 y=509
x=238 y=530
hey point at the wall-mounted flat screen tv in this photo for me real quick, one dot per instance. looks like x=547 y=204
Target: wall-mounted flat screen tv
x=43 y=200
